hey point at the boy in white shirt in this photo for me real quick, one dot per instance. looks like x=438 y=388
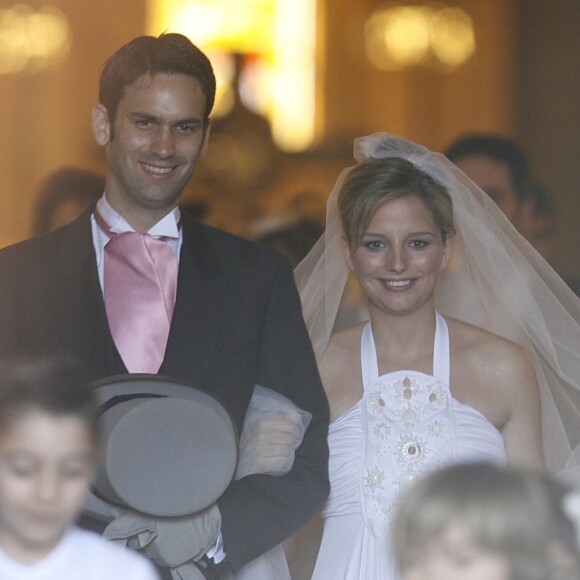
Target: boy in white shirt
x=48 y=449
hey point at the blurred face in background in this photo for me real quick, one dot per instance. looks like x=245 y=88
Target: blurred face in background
x=495 y=179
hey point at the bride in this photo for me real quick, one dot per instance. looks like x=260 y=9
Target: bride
x=460 y=360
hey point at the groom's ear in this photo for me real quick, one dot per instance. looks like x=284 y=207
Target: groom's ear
x=101 y=125
x=347 y=252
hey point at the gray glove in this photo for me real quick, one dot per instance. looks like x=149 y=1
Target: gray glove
x=187 y=571
x=169 y=542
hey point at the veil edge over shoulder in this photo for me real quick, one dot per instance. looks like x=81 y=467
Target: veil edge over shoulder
x=495 y=280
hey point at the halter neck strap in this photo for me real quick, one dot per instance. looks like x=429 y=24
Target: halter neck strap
x=441 y=353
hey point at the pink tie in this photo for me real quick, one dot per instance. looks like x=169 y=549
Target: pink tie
x=140 y=285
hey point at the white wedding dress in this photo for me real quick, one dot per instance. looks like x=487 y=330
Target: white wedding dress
x=406 y=425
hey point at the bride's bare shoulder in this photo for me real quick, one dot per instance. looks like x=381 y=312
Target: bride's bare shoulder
x=474 y=346
x=342 y=350
x=345 y=340
x=340 y=370
x=470 y=336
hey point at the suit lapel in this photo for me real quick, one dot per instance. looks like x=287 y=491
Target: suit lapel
x=76 y=296
x=201 y=288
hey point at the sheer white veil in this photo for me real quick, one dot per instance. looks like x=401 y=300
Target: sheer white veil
x=495 y=280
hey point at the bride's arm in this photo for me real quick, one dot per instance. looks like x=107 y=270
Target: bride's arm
x=340 y=371
x=523 y=429
x=495 y=376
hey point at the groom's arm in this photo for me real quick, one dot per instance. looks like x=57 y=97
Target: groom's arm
x=260 y=511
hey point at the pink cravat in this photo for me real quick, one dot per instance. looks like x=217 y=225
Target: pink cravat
x=140 y=284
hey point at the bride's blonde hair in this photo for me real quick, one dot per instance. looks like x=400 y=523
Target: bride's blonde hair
x=374 y=182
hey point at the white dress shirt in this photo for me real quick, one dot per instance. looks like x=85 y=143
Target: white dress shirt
x=168 y=226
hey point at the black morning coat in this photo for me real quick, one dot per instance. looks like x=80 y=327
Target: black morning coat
x=237 y=322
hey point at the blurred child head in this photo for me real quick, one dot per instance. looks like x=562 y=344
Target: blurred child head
x=482 y=522
x=48 y=442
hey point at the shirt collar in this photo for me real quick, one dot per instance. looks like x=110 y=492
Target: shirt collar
x=167 y=226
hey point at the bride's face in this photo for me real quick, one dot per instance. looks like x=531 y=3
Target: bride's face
x=454 y=556
x=400 y=256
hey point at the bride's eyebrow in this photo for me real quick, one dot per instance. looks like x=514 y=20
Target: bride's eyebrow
x=425 y=233
x=412 y=234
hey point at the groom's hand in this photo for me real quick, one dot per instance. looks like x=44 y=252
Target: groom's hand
x=273 y=430
x=272 y=442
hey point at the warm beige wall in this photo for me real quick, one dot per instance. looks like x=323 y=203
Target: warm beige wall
x=45 y=118
x=418 y=104
x=549 y=114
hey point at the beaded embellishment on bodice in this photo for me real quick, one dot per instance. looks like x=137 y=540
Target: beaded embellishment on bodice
x=408 y=421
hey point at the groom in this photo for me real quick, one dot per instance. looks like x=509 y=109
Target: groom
x=218 y=312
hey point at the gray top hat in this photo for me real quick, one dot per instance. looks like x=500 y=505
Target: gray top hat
x=169 y=449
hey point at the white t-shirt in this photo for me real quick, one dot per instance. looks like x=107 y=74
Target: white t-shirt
x=81 y=555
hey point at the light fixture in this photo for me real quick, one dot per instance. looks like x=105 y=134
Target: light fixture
x=432 y=35
x=31 y=40
x=276 y=39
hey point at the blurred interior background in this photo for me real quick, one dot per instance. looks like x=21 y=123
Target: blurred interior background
x=298 y=81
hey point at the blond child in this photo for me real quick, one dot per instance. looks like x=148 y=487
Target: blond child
x=483 y=522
